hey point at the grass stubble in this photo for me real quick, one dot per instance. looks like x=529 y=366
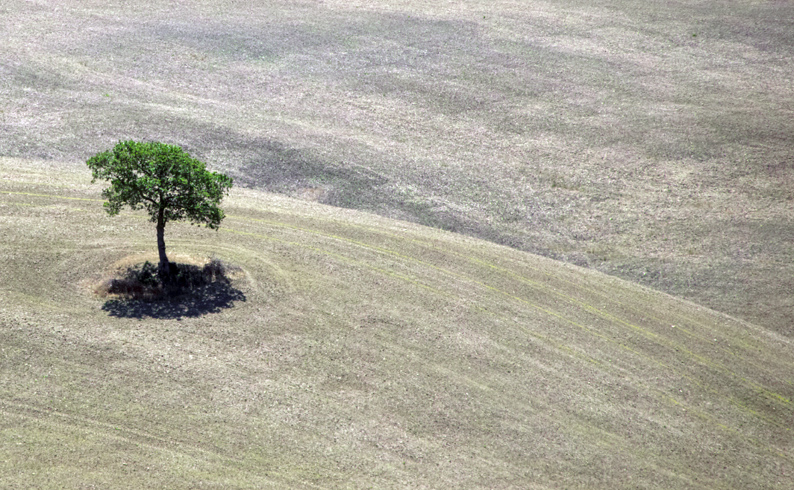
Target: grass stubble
x=646 y=141
x=363 y=352
x=651 y=141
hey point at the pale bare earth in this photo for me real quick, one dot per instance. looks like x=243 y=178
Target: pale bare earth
x=648 y=140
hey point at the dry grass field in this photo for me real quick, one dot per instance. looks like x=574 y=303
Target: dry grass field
x=649 y=140
x=353 y=351
x=475 y=244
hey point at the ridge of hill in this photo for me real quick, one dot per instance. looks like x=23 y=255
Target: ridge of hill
x=354 y=351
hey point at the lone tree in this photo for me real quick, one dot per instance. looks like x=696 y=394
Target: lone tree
x=165 y=181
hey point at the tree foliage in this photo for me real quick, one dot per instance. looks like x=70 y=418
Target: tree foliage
x=163 y=180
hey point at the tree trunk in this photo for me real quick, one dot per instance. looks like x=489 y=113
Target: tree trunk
x=165 y=266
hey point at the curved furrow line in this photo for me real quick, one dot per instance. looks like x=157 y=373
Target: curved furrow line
x=595 y=311
x=606 y=315
x=742 y=407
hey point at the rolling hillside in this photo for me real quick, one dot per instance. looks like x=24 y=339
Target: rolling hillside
x=648 y=140
x=354 y=351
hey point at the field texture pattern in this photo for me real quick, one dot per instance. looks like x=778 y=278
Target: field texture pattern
x=649 y=140
x=352 y=351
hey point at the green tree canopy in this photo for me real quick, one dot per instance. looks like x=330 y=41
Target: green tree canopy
x=163 y=180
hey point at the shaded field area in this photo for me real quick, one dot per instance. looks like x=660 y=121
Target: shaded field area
x=192 y=290
x=362 y=352
x=652 y=141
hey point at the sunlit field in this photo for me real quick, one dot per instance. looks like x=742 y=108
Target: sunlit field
x=350 y=350
x=470 y=245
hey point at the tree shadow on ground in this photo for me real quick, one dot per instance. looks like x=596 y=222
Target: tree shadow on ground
x=193 y=292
